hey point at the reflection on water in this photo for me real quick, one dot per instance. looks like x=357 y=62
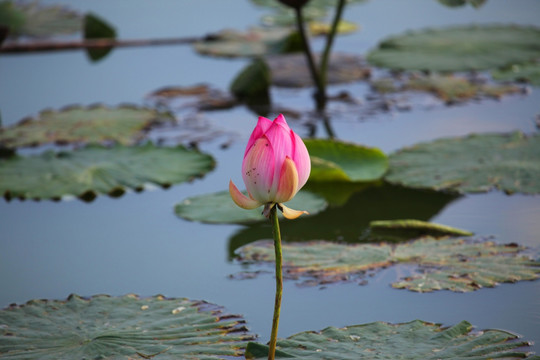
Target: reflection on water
x=348 y=222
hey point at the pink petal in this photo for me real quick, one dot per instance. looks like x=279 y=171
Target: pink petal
x=282 y=145
x=288 y=182
x=258 y=170
x=280 y=120
x=242 y=200
x=301 y=159
x=263 y=124
x=291 y=213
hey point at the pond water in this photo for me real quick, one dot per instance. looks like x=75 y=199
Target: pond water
x=136 y=244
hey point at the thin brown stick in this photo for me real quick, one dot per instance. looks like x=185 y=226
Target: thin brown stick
x=40 y=46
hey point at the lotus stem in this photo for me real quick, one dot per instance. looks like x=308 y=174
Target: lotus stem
x=320 y=93
x=330 y=41
x=279 y=282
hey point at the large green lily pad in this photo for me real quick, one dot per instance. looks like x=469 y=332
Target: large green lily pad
x=413 y=340
x=127 y=327
x=333 y=160
x=454 y=264
x=94 y=124
x=476 y=163
x=458 y=48
x=99 y=170
x=219 y=208
x=30 y=18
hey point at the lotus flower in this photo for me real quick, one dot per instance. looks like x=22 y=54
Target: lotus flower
x=276 y=165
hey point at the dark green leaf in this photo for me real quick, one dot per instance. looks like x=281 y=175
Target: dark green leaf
x=476 y=163
x=337 y=160
x=413 y=340
x=99 y=170
x=219 y=208
x=97 y=28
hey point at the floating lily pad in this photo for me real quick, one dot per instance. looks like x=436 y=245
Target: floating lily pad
x=95 y=124
x=459 y=48
x=413 y=340
x=99 y=170
x=476 y=163
x=455 y=264
x=463 y=266
x=253 y=83
x=528 y=72
x=33 y=19
x=219 y=208
x=291 y=70
x=127 y=327
x=449 y=88
x=254 y=42
x=337 y=160
x=411 y=228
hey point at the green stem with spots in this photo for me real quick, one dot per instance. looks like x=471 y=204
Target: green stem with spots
x=279 y=281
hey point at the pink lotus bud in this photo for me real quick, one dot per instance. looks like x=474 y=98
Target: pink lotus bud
x=276 y=165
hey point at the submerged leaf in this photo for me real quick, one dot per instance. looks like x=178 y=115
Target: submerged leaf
x=458 y=48
x=127 y=327
x=450 y=263
x=337 y=160
x=219 y=208
x=99 y=170
x=413 y=340
x=76 y=124
x=476 y=163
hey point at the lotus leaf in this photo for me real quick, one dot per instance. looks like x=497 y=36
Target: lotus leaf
x=412 y=228
x=413 y=340
x=528 y=72
x=95 y=169
x=219 y=208
x=127 y=327
x=337 y=160
x=454 y=264
x=94 y=124
x=255 y=42
x=476 y=163
x=459 y=48
x=36 y=20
